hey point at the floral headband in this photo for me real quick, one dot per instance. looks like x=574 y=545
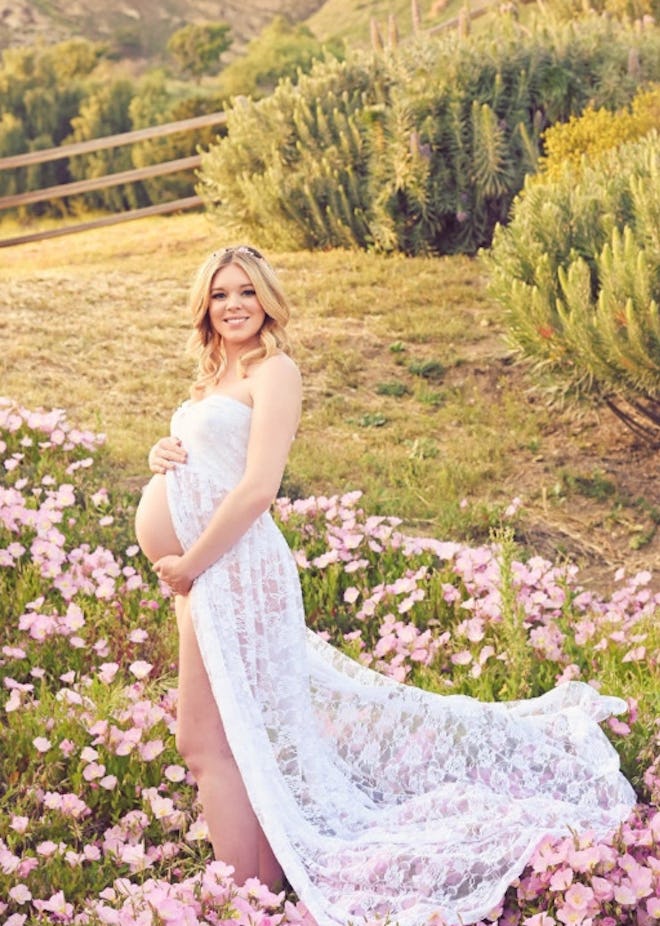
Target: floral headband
x=241 y=249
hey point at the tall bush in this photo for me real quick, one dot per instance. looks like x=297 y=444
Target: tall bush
x=153 y=104
x=197 y=47
x=578 y=273
x=292 y=171
x=106 y=112
x=419 y=149
x=41 y=89
x=282 y=49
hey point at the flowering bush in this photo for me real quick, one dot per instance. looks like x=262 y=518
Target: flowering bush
x=98 y=817
x=585 y=137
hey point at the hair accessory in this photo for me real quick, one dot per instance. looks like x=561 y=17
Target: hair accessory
x=246 y=249
x=241 y=249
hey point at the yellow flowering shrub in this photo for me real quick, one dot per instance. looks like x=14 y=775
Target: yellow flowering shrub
x=597 y=130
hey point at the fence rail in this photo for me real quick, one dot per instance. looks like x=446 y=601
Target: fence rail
x=177 y=205
x=107 y=180
x=100 y=183
x=111 y=141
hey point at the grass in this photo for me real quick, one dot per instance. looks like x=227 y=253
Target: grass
x=409 y=395
x=351 y=21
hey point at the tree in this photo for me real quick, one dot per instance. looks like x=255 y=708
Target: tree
x=282 y=49
x=197 y=47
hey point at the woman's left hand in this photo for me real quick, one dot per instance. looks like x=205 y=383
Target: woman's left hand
x=173 y=571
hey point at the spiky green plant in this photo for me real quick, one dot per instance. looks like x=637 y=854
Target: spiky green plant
x=578 y=273
x=291 y=172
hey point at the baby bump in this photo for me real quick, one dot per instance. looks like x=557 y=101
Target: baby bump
x=153 y=524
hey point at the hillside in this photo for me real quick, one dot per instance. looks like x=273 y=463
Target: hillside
x=140 y=28
x=351 y=21
x=137 y=28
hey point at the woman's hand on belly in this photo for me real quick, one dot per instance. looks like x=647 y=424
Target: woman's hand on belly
x=165 y=454
x=173 y=571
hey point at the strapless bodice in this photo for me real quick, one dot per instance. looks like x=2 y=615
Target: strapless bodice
x=214 y=431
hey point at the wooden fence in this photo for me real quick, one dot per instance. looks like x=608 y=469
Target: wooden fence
x=108 y=180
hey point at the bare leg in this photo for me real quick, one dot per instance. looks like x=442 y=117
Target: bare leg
x=270 y=870
x=236 y=835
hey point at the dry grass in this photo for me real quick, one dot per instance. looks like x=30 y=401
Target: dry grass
x=96 y=323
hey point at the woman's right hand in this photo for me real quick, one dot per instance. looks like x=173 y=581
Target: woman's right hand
x=165 y=454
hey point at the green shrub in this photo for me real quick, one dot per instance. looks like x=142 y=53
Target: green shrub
x=154 y=104
x=578 y=273
x=419 y=149
x=41 y=89
x=282 y=49
x=292 y=171
x=197 y=47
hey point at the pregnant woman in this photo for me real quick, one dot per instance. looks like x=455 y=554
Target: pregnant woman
x=371 y=796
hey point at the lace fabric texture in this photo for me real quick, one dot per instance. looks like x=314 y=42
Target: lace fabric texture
x=377 y=798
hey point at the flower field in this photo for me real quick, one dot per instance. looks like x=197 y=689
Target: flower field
x=98 y=817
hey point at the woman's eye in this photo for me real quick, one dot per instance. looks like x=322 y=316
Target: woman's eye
x=217 y=295
x=248 y=292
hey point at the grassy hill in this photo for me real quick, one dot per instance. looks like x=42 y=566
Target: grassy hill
x=352 y=21
x=138 y=27
x=410 y=392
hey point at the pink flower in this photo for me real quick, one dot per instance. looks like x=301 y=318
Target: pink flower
x=93 y=770
x=41 y=744
x=624 y=894
x=603 y=888
x=151 y=749
x=351 y=595
x=135 y=857
x=140 y=669
x=584 y=859
x=47 y=848
x=635 y=655
x=198 y=830
x=175 y=772
x=20 y=824
x=462 y=659
x=572 y=917
x=561 y=879
x=107 y=671
x=20 y=894
x=579 y=896
x=653 y=907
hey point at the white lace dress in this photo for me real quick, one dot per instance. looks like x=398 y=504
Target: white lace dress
x=376 y=797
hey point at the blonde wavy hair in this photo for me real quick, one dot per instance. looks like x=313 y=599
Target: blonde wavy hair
x=205 y=343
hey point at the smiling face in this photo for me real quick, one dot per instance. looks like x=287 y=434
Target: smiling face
x=235 y=313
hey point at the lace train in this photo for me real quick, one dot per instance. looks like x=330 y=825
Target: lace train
x=376 y=797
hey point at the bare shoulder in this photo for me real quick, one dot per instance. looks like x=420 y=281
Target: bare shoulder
x=278 y=371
